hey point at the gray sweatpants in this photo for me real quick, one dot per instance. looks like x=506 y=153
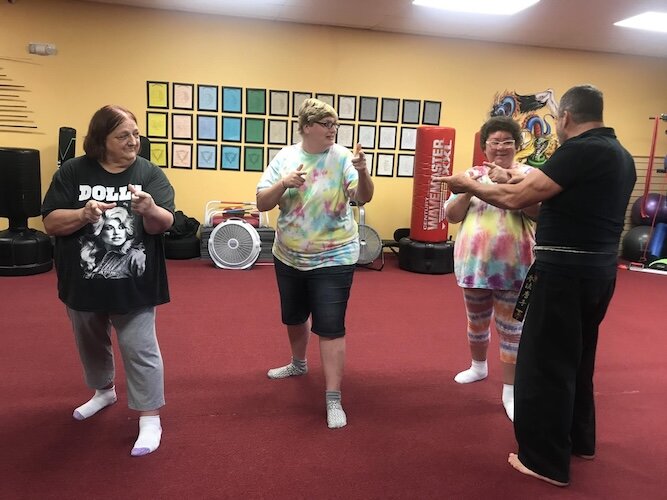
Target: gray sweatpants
x=139 y=349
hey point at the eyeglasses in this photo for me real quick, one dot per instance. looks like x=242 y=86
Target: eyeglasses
x=329 y=125
x=126 y=136
x=501 y=144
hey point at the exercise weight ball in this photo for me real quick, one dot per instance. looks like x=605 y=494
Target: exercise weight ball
x=656 y=206
x=635 y=242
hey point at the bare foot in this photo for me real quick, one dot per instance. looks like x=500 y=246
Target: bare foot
x=516 y=463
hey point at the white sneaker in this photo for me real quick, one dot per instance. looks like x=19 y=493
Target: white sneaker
x=286 y=371
x=335 y=415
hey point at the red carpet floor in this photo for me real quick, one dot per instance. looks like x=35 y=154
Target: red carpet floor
x=229 y=432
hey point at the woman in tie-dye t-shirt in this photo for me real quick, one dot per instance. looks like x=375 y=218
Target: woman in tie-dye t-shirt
x=492 y=254
x=316 y=246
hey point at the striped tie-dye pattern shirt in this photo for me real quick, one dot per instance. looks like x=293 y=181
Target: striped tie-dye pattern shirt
x=316 y=225
x=494 y=247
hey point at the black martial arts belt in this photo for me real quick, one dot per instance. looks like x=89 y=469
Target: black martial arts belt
x=522 y=301
x=573 y=256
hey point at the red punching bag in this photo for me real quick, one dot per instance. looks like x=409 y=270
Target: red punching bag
x=478 y=156
x=434 y=156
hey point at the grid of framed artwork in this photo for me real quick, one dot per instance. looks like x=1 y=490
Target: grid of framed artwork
x=218 y=127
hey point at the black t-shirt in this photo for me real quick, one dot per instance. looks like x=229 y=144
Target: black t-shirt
x=114 y=265
x=597 y=175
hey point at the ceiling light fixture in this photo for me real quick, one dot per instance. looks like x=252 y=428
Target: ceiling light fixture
x=650 y=21
x=491 y=7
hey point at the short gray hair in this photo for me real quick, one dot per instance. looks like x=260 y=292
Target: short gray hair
x=313 y=110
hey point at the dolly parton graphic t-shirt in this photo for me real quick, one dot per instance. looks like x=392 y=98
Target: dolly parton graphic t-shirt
x=112 y=265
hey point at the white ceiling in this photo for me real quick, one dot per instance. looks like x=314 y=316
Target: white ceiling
x=569 y=24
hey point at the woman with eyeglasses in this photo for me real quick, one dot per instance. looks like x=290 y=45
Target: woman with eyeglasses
x=316 y=246
x=108 y=210
x=492 y=254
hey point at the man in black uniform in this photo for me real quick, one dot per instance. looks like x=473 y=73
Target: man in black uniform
x=584 y=189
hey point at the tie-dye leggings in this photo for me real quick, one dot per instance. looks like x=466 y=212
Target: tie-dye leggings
x=480 y=305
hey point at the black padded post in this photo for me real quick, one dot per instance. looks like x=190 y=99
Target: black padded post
x=20 y=186
x=23 y=251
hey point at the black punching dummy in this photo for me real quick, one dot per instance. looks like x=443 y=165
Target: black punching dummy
x=23 y=251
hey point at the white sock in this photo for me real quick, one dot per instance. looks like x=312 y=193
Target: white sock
x=150 y=433
x=508 y=400
x=478 y=370
x=101 y=399
x=336 y=416
x=294 y=369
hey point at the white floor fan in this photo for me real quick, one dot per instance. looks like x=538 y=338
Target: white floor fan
x=370 y=244
x=234 y=244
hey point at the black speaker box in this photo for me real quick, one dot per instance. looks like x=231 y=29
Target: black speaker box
x=66 y=144
x=145 y=148
x=426 y=258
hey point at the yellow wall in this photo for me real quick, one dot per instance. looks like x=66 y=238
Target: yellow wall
x=107 y=53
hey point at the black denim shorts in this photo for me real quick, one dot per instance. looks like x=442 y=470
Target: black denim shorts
x=322 y=293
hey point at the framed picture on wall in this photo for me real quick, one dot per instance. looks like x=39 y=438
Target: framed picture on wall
x=253 y=159
x=279 y=102
x=207 y=98
x=385 y=165
x=330 y=99
x=156 y=125
x=366 y=136
x=406 y=165
x=297 y=101
x=347 y=107
x=408 y=138
x=207 y=157
x=157 y=95
x=345 y=135
x=369 y=162
x=207 y=128
x=232 y=100
x=254 y=130
x=160 y=154
x=272 y=154
x=181 y=155
x=411 y=113
x=390 y=109
x=368 y=109
x=431 y=114
x=278 y=132
x=183 y=95
x=255 y=101
x=296 y=136
x=181 y=126
x=230 y=157
x=231 y=129
x=387 y=137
